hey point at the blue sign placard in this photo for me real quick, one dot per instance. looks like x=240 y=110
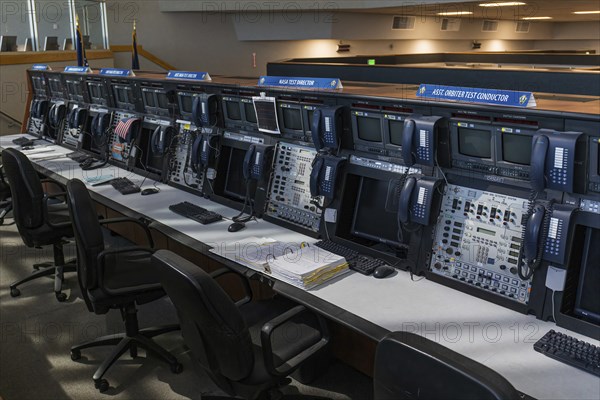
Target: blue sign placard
x=77 y=70
x=41 y=67
x=477 y=95
x=300 y=83
x=116 y=72
x=189 y=76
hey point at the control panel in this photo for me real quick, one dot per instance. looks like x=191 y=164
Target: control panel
x=181 y=171
x=382 y=165
x=72 y=129
x=590 y=206
x=478 y=241
x=289 y=196
x=120 y=151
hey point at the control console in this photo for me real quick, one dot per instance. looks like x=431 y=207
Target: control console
x=289 y=196
x=181 y=171
x=478 y=241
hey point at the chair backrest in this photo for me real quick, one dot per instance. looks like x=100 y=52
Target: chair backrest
x=4 y=188
x=408 y=366
x=88 y=233
x=211 y=325
x=27 y=192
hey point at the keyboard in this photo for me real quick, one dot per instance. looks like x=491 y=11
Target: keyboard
x=78 y=156
x=573 y=352
x=23 y=141
x=125 y=186
x=195 y=212
x=357 y=262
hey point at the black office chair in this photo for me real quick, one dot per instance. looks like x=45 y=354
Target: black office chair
x=114 y=278
x=247 y=348
x=39 y=222
x=5 y=201
x=408 y=366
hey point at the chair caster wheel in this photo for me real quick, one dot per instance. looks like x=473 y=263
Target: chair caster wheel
x=61 y=297
x=102 y=385
x=176 y=368
x=14 y=292
x=75 y=355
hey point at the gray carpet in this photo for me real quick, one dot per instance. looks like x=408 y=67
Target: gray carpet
x=36 y=333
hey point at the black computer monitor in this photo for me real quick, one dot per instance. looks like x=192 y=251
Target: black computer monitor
x=8 y=43
x=235 y=185
x=370 y=206
x=123 y=95
x=51 y=43
x=587 y=303
x=475 y=143
x=155 y=101
x=516 y=148
x=97 y=93
x=367 y=130
x=290 y=119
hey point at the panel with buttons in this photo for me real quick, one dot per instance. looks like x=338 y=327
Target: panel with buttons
x=478 y=241
x=289 y=195
x=180 y=169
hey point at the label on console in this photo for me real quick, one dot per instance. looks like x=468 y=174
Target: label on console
x=301 y=83
x=189 y=76
x=41 y=67
x=78 y=70
x=116 y=72
x=477 y=95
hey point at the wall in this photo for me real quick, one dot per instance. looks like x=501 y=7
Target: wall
x=14 y=19
x=226 y=43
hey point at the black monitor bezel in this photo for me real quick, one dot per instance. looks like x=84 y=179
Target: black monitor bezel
x=500 y=131
x=156 y=109
x=387 y=118
x=128 y=105
x=577 y=309
x=367 y=144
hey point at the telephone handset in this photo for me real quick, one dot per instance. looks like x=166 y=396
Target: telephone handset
x=418 y=197
x=76 y=117
x=204 y=110
x=203 y=151
x=38 y=108
x=557 y=162
x=325 y=172
x=100 y=124
x=532 y=240
x=56 y=113
x=161 y=138
x=419 y=140
x=326 y=128
x=256 y=162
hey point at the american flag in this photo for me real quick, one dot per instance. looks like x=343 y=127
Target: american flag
x=123 y=128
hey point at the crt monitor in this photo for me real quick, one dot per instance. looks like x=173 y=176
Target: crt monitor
x=235 y=186
x=232 y=110
x=97 y=93
x=156 y=101
x=8 y=43
x=587 y=303
x=56 y=88
x=249 y=112
x=75 y=90
x=475 y=143
x=516 y=148
x=186 y=103
x=123 y=96
x=394 y=131
x=291 y=118
x=367 y=130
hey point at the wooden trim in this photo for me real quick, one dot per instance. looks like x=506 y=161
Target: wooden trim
x=123 y=48
x=36 y=57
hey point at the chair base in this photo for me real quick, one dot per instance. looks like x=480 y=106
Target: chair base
x=126 y=343
x=58 y=273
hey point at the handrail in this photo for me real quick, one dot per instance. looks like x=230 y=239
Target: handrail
x=32 y=57
x=118 y=48
x=13 y=120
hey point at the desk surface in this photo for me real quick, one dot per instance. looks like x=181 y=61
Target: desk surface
x=495 y=336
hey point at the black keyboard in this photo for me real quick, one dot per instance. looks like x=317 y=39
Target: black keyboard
x=125 y=186
x=573 y=352
x=195 y=212
x=78 y=156
x=23 y=141
x=357 y=262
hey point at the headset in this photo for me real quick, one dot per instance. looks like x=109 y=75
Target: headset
x=100 y=124
x=161 y=138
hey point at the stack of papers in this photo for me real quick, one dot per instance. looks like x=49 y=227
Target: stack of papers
x=299 y=264
x=308 y=267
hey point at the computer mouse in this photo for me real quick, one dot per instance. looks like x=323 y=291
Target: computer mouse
x=148 y=191
x=383 y=271
x=236 y=226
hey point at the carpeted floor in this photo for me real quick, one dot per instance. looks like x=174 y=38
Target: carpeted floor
x=36 y=333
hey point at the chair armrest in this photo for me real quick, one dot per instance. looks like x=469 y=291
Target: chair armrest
x=52 y=181
x=224 y=271
x=131 y=220
x=121 y=250
x=293 y=363
x=45 y=211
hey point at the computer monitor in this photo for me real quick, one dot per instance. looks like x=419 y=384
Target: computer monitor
x=367 y=131
x=8 y=43
x=594 y=164
x=475 y=143
x=370 y=206
x=51 y=43
x=587 y=302
x=394 y=131
x=75 y=90
x=235 y=185
x=290 y=119
x=516 y=148
x=513 y=151
x=123 y=95
x=155 y=101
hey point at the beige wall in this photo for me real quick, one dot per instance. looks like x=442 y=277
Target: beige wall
x=226 y=43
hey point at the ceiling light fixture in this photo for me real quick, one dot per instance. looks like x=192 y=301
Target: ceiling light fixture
x=454 y=13
x=503 y=4
x=586 y=12
x=536 y=18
